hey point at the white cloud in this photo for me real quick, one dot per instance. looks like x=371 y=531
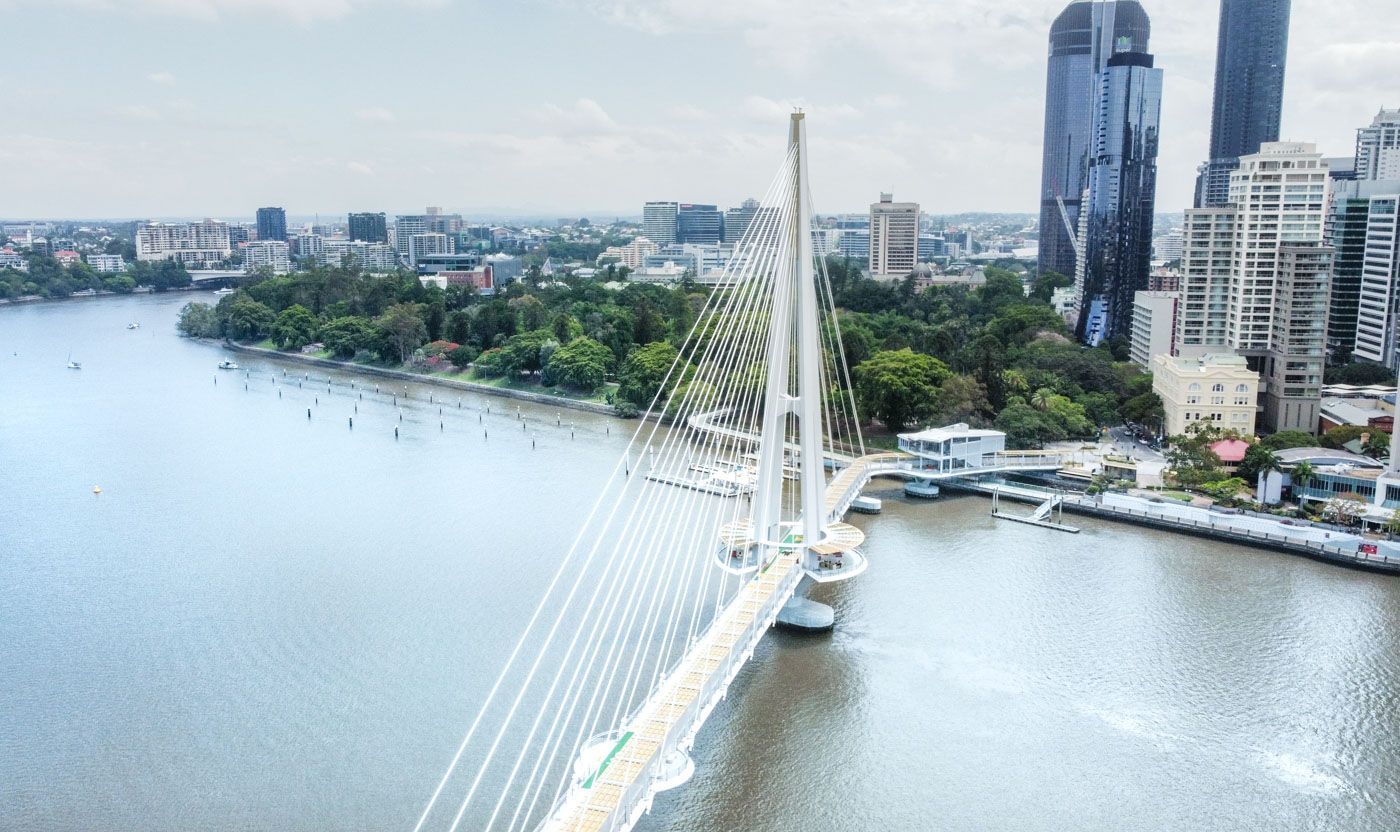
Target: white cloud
x=137 y=112
x=360 y=168
x=162 y=78
x=374 y=114
x=584 y=116
x=299 y=11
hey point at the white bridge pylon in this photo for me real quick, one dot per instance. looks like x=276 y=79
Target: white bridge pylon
x=700 y=537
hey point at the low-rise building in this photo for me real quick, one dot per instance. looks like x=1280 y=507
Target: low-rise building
x=67 y=257
x=479 y=277
x=11 y=259
x=631 y=255
x=1359 y=411
x=1217 y=388
x=106 y=263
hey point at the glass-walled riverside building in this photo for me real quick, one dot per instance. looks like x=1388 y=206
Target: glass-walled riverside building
x=1250 y=58
x=1122 y=192
x=1082 y=39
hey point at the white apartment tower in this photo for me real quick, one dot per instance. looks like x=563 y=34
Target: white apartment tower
x=189 y=243
x=894 y=238
x=420 y=245
x=1256 y=275
x=1378 y=147
x=274 y=255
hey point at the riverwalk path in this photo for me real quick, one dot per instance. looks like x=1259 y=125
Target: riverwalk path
x=1297 y=537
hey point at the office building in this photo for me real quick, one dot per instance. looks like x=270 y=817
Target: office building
x=273 y=255
x=408 y=226
x=1168 y=247
x=1250 y=56
x=272 y=224
x=660 y=221
x=1154 y=326
x=1378 y=147
x=699 y=224
x=1378 y=307
x=737 y=220
x=106 y=263
x=1348 y=227
x=1117 y=243
x=1082 y=39
x=1256 y=276
x=199 y=244
x=369 y=228
x=1217 y=389
x=894 y=238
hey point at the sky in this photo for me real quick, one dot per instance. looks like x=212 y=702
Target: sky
x=170 y=108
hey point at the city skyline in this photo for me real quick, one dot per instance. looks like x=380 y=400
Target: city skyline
x=261 y=103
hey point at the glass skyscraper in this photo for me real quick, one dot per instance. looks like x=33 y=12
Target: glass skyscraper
x=369 y=228
x=272 y=224
x=1082 y=39
x=1122 y=192
x=1250 y=56
x=699 y=224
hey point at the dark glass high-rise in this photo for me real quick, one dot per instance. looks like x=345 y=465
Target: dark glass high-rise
x=1250 y=57
x=1082 y=39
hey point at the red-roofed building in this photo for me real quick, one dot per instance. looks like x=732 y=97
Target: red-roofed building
x=67 y=257
x=1230 y=451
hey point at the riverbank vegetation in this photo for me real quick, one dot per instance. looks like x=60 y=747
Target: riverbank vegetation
x=48 y=278
x=994 y=355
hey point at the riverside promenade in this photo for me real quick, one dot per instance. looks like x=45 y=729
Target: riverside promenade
x=1298 y=538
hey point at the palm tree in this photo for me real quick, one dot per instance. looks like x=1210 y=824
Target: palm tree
x=1302 y=472
x=1040 y=399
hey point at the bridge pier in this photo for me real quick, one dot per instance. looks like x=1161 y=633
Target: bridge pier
x=802 y=614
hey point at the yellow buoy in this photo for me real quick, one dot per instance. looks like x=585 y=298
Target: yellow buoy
x=97 y=489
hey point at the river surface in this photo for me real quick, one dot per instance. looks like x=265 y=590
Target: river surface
x=270 y=622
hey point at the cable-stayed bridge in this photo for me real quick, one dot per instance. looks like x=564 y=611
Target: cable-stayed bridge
x=718 y=514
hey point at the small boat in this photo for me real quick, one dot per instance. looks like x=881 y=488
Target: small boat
x=133 y=325
x=228 y=365
x=73 y=365
x=225 y=291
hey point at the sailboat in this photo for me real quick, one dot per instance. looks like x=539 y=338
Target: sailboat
x=73 y=365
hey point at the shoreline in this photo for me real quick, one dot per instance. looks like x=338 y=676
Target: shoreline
x=26 y=300
x=406 y=375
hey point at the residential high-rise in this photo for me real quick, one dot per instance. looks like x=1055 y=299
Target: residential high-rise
x=1082 y=39
x=1378 y=147
x=894 y=238
x=433 y=242
x=273 y=255
x=369 y=228
x=1256 y=278
x=699 y=224
x=659 y=222
x=408 y=226
x=1117 y=244
x=308 y=246
x=1250 y=56
x=272 y=224
x=190 y=243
